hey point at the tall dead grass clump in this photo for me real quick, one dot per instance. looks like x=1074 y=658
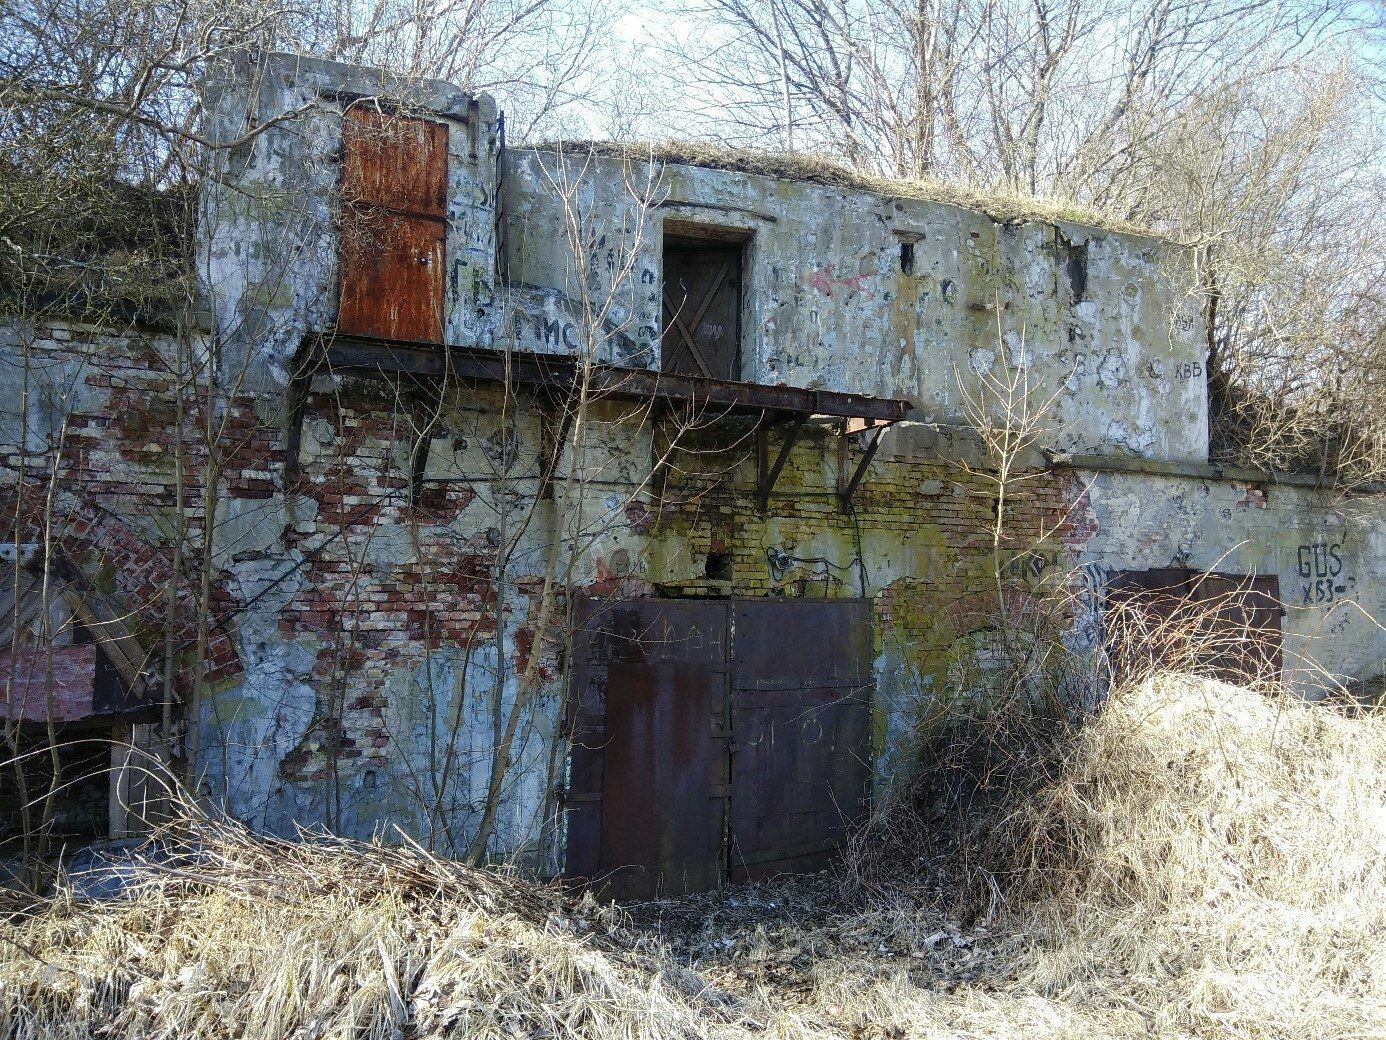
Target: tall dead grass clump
x=227 y=934
x=1197 y=859
x=1215 y=856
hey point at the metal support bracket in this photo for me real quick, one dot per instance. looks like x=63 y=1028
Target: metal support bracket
x=847 y=486
x=418 y=455
x=310 y=357
x=555 y=434
x=767 y=475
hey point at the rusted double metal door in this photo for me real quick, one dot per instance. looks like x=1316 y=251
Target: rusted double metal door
x=715 y=739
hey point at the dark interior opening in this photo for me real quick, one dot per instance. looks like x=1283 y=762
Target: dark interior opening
x=81 y=803
x=719 y=566
x=907 y=258
x=1076 y=266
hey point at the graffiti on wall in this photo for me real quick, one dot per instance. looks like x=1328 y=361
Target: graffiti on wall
x=1324 y=579
x=546 y=321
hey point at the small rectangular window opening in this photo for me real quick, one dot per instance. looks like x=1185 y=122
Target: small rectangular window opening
x=719 y=566
x=907 y=258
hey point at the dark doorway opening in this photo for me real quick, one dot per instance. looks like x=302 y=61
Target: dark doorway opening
x=702 y=308
x=715 y=740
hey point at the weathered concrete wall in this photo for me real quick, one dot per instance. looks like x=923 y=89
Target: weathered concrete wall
x=269 y=216
x=1107 y=323
x=1328 y=552
x=365 y=653
x=367 y=645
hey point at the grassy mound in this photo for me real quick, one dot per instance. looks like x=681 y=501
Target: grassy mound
x=1202 y=862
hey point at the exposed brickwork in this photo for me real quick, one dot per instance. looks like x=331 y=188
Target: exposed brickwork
x=115 y=483
x=382 y=581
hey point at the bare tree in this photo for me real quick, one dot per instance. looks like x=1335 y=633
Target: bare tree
x=103 y=147
x=1250 y=132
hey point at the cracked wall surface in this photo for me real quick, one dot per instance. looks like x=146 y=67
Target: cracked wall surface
x=369 y=623
x=1107 y=323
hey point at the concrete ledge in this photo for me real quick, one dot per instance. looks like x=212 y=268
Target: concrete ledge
x=1203 y=471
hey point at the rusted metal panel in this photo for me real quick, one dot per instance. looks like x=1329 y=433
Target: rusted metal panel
x=1239 y=626
x=1225 y=624
x=392 y=276
x=702 y=309
x=557 y=373
x=393 y=221
x=647 y=787
x=800 y=769
x=1145 y=619
x=394 y=162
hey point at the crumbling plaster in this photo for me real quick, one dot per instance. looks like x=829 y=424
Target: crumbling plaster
x=1107 y=323
x=374 y=657
x=268 y=220
x=1328 y=552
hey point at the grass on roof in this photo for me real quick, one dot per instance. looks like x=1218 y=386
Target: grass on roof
x=1001 y=204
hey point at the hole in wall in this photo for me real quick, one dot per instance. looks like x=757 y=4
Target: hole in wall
x=719 y=566
x=1076 y=267
x=907 y=258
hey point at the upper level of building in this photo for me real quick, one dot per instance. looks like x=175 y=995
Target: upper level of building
x=374 y=207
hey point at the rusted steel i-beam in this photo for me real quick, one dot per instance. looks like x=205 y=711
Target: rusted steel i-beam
x=560 y=372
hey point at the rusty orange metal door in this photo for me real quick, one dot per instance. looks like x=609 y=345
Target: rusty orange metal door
x=647 y=783
x=393 y=223
x=800 y=718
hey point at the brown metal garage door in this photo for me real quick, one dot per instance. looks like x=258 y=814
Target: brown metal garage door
x=800 y=722
x=1227 y=625
x=656 y=684
x=647 y=787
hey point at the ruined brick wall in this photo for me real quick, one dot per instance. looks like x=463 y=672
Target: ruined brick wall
x=88 y=443
x=364 y=657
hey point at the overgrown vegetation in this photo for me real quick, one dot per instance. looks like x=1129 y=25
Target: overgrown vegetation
x=820 y=168
x=1201 y=860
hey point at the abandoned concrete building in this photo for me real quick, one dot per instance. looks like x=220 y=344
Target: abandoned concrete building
x=604 y=510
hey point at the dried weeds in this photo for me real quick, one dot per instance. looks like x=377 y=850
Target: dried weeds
x=1199 y=860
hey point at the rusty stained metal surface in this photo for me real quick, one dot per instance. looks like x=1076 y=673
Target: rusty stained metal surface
x=393 y=221
x=679 y=705
x=1235 y=620
x=647 y=782
x=801 y=773
x=558 y=373
x=1242 y=615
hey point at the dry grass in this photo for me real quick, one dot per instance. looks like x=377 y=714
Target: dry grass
x=1199 y=861
x=1000 y=204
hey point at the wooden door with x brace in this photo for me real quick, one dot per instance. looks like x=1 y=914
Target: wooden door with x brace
x=702 y=308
